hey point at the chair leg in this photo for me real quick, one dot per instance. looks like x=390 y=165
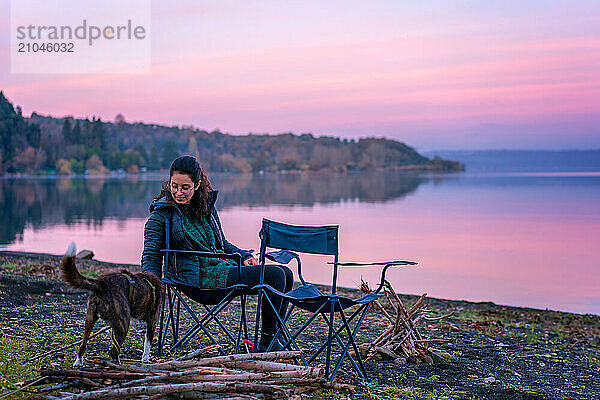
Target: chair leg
x=336 y=335
x=280 y=329
x=242 y=326
x=192 y=331
x=244 y=318
x=261 y=293
x=220 y=324
x=329 y=337
x=339 y=330
x=169 y=320
x=205 y=320
x=177 y=319
x=351 y=336
x=292 y=338
x=160 y=329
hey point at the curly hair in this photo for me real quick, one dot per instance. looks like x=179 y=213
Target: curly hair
x=200 y=202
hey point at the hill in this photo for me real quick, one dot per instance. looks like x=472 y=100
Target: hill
x=69 y=145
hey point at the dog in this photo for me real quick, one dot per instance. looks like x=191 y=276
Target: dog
x=116 y=298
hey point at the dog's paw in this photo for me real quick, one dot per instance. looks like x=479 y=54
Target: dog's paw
x=78 y=362
x=72 y=250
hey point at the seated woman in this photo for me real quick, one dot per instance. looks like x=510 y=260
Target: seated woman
x=187 y=201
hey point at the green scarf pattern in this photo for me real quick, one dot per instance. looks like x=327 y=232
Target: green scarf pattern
x=213 y=271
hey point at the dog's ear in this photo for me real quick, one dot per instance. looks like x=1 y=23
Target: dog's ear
x=72 y=250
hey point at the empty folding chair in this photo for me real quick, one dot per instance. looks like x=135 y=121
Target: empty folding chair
x=321 y=240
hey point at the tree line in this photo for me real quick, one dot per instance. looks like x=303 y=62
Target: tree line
x=70 y=145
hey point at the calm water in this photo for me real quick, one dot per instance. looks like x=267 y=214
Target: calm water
x=528 y=239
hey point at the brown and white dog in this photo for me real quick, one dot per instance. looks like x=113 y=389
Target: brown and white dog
x=116 y=298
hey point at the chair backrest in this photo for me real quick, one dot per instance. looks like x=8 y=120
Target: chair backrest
x=305 y=239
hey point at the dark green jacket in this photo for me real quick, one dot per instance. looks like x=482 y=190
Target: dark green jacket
x=186 y=268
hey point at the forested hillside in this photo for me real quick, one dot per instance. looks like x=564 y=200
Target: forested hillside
x=68 y=145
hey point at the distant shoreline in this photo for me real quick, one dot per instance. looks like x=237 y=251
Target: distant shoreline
x=163 y=173
x=524 y=160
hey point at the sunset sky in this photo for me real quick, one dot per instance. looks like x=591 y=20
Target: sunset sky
x=436 y=74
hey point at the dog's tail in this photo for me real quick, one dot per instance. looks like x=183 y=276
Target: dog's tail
x=71 y=275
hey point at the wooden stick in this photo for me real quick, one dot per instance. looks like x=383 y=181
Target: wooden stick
x=203 y=395
x=213 y=387
x=190 y=376
x=89 y=382
x=131 y=368
x=226 y=359
x=74 y=373
x=380 y=308
x=402 y=320
x=175 y=375
x=28 y=381
x=383 y=336
x=407 y=317
x=198 y=352
x=394 y=306
x=415 y=308
x=22 y=388
x=295 y=376
x=67 y=346
x=267 y=366
x=57 y=386
x=156 y=396
x=406 y=336
x=417 y=318
x=438 y=318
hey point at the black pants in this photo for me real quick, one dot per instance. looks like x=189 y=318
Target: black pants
x=279 y=277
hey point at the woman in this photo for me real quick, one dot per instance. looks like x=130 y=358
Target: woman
x=187 y=202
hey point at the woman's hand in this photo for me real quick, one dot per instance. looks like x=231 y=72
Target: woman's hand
x=251 y=261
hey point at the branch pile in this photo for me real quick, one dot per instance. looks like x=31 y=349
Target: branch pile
x=401 y=341
x=239 y=376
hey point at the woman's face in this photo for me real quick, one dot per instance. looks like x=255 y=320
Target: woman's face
x=182 y=188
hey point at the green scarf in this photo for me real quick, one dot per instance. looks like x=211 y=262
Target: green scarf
x=213 y=271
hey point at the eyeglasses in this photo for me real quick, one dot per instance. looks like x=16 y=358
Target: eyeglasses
x=185 y=189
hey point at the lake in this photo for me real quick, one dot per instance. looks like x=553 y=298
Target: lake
x=516 y=238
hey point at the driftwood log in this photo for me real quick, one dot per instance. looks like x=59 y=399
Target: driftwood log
x=401 y=340
x=239 y=376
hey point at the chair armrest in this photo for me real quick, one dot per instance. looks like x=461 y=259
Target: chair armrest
x=386 y=265
x=237 y=257
x=281 y=256
x=234 y=256
x=284 y=257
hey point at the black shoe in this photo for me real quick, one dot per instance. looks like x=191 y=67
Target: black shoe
x=265 y=341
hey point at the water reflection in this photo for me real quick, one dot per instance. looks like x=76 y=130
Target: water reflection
x=46 y=202
x=514 y=239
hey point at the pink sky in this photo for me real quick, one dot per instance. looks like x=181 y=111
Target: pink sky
x=446 y=75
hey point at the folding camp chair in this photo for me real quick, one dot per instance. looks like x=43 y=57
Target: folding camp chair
x=206 y=297
x=321 y=240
